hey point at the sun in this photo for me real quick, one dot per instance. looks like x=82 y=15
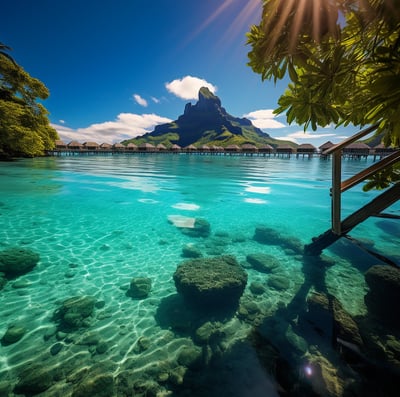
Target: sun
x=288 y=20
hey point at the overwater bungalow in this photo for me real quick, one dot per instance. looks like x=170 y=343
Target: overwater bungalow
x=105 y=146
x=381 y=151
x=131 y=147
x=60 y=145
x=265 y=149
x=90 y=146
x=175 y=148
x=325 y=146
x=146 y=147
x=190 y=149
x=305 y=149
x=161 y=148
x=118 y=147
x=356 y=150
x=74 y=145
x=284 y=150
x=249 y=148
x=204 y=148
x=232 y=149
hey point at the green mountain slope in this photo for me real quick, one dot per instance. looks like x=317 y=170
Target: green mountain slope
x=207 y=123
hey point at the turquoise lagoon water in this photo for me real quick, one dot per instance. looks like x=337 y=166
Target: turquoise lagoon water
x=97 y=222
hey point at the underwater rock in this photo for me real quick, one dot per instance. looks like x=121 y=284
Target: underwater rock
x=13 y=334
x=21 y=284
x=146 y=388
x=201 y=228
x=324 y=377
x=191 y=251
x=176 y=375
x=263 y=263
x=99 y=385
x=249 y=311
x=267 y=235
x=139 y=288
x=142 y=344
x=319 y=314
x=327 y=314
x=15 y=261
x=384 y=293
x=257 y=288
x=278 y=282
x=209 y=332
x=3 y=280
x=295 y=340
x=34 y=379
x=89 y=339
x=56 y=348
x=346 y=328
x=211 y=282
x=75 y=312
x=190 y=357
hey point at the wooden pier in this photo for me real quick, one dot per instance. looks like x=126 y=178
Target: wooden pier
x=340 y=228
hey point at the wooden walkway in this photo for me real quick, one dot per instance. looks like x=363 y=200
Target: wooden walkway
x=340 y=228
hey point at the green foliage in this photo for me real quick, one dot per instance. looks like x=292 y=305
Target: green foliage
x=384 y=179
x=24 y=125
x=340 y=73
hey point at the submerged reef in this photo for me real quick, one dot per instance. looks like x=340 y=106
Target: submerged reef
x=201 y=228
x=15 y=261
x=139 y=288
x=384 y=294
x=75 y=312
x=209 y=282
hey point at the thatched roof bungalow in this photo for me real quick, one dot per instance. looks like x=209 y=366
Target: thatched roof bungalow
x=305 y=149
x=284 y=149
x=161 y=148
x=265 y=149
x=232 y=149
x=90 y=145
x=356 y=149
x=326 y=146
x=175 y=148
x=249 y=148
x=74 y=145
x=204 y=148
x=131 y=147
x=146 y=147
x=190 y=148
x=60 y=145
x=119 y=147
x=105 y=146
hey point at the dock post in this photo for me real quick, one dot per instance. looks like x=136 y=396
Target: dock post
x=336 y=192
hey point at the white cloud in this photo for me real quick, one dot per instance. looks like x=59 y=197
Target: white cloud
x=308 y=136
x=126 y=126
x=188 y=87
x=264 y=119
x=155 y=100
x=61 y=121
x=141 y=101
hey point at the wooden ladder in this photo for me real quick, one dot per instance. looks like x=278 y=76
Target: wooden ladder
x=340 y=228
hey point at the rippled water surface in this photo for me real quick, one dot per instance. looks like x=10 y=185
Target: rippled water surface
x=98 y=222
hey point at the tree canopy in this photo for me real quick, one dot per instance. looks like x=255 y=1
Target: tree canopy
x=24 y=125
x=342 y=57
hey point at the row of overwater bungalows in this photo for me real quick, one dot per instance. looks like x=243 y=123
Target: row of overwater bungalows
x=357 y=149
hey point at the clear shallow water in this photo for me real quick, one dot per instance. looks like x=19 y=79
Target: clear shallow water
x=99 y=221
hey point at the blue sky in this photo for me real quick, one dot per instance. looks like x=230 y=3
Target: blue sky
x=115 y=69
